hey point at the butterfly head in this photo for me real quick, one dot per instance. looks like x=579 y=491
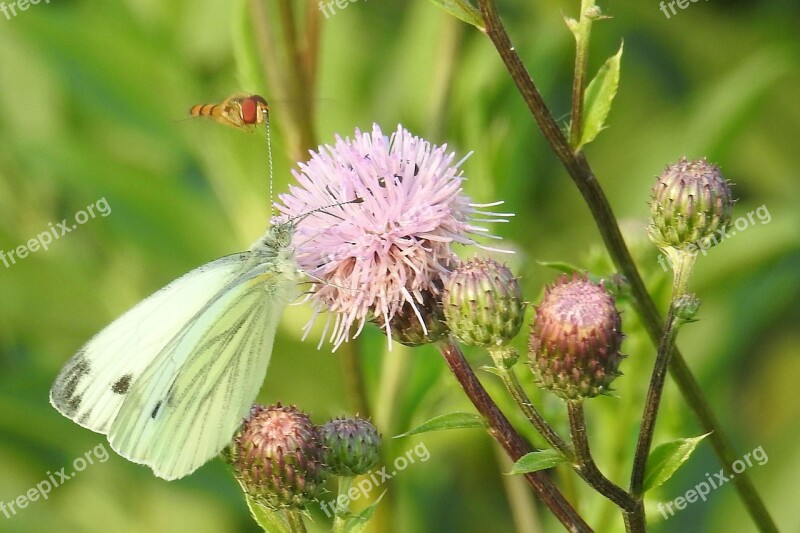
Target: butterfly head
x=279 y=236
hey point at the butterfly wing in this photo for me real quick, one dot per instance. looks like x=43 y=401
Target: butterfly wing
x=188 y=403
x=147 y=347
x=93 y=384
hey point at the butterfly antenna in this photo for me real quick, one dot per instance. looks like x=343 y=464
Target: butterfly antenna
x=301 y=216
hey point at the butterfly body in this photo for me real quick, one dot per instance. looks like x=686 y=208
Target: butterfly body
x=170 y=380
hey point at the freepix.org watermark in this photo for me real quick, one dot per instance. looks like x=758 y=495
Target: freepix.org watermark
x=43 y=488
x=374 y=479
x=683 y=4
x=739 y=225
x=328 y=7
x=704 y=488
x=44 y=239
x=22 y=5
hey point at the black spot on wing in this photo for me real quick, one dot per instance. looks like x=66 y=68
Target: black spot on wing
x=64 y=391
x=155 y=410
x=122 y=385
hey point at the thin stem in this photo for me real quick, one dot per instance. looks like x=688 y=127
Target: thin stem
x=536 y=419
x=587 y=466
x=593 y=195
x=582 y=36
x=340 y=513
x=683 y=263
x=502 y=431
x=295 y=520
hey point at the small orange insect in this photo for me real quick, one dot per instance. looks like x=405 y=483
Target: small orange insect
x=241 y=111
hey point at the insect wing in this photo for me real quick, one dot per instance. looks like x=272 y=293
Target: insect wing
x=93 y=384
x=188 y=403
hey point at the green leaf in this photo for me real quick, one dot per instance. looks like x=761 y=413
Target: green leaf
x=562 y=266
x=268 y=519
x=358 y=522
x=449 y=421
x=598 y=98
x=535 y=461
x=463 y=10
x=665 y=460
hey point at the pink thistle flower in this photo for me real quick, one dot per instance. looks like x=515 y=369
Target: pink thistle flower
x=374 y=256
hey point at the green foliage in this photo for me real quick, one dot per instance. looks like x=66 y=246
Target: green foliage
x=667 y=458
x=93 y=101
x=448 y=421
x=535 y=461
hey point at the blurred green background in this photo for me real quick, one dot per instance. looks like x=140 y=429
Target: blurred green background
x=93 y=97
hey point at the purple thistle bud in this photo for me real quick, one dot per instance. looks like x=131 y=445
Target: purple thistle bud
x=277 y=457
x=352 y=446
x=691 y=201
x=382 y=253
x=483 y=303
x=575 y=339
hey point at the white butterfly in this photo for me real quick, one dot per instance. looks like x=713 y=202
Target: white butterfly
x=170 y=380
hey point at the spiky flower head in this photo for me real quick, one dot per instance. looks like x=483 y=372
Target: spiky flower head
x=575 y=339
x=375 y=256
x=352 y=446
x=277 y=457
x=691 y=201
x=483 y=303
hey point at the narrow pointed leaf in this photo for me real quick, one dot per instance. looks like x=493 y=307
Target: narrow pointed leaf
x=599 y=95
x=268 y=519
x=535 y=461
x=456 y=420
x=357 y=523
x=463 y=10
x=665 y=460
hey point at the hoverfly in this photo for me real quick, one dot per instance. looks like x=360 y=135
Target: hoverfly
x=241 y=111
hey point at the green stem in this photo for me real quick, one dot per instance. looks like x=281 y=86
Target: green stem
x=582 y=36
x=502 y=431
x=586 y=465
x=536 y=419
x=295 y=520
x=586 y=182
x=682 y=263
x=341 y=513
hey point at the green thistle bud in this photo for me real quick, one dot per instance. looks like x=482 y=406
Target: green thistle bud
x=691 y=201
x=483 y=303
x=352 y=446
x=575 y=339
x=405 y=325
x=277 y=457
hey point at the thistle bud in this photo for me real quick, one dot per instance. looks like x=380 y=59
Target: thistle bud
x=351 y=446
x=277 y=457
x=418 y=323
x=575 y=339
x=483 y=303
x=691 y=201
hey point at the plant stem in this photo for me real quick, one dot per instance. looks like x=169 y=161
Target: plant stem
x=536 y=419
x=583 y=177
x=502 y=431
x=587 y=466
x=340 y=517
x=582 y=35
x=682 y=263
x=295 y=520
